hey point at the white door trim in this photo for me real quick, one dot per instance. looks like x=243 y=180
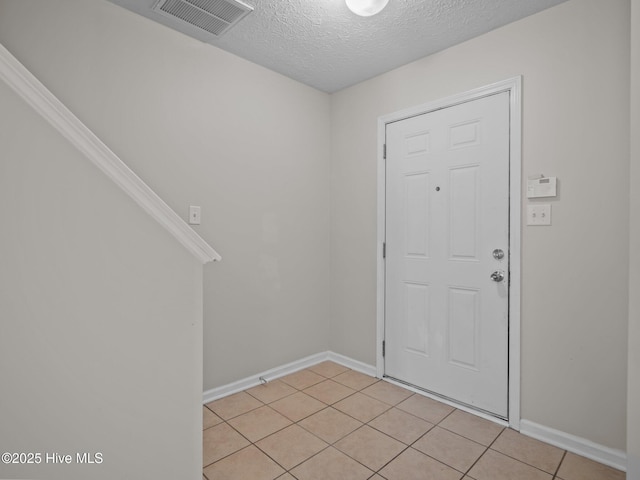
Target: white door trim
x=514 y=87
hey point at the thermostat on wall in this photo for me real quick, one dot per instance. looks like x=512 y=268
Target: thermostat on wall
x=541 y=187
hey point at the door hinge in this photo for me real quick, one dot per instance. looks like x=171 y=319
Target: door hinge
x=384 y=349
x=384 y=151
x=384 y=249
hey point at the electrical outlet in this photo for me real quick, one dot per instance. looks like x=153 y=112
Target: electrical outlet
x=538 y=214
x=194 y=215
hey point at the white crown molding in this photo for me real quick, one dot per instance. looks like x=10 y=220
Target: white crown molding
x=31 y=90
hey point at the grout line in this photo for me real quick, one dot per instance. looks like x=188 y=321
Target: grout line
x=487 y=448
x=362 y=424
x=445 y=417
x=496 y=439
x=236 y=416
x=392 y=459
x=555 y=475
x=474 y=463
x=328 y=444
x=317 y=436
x=286 y=470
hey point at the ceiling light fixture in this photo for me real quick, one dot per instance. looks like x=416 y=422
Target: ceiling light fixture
x=366 y=8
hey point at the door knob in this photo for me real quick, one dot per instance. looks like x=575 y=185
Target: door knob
x=497 y=276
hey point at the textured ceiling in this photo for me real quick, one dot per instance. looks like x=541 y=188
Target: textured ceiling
x=322 y=44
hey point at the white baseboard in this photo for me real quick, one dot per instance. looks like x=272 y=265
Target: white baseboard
x=283 y=370
x=352 y=364
x=580 y=446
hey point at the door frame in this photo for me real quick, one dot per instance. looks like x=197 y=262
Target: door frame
x=514 y=87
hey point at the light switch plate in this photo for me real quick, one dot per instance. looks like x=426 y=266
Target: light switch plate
x=539 y=214
x=194 y=215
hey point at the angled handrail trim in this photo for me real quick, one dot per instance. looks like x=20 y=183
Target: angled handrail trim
x=30 y=89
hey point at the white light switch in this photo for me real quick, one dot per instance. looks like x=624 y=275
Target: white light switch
x=194 y=215
x=538 y=214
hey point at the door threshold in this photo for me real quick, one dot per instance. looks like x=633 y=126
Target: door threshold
x=449 y=401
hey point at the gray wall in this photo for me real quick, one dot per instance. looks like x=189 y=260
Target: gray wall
x=100 y=318
x=633 y=402
x=574 y=59
x=203 y=127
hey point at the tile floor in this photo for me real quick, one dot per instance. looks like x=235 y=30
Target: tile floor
x=328 y=422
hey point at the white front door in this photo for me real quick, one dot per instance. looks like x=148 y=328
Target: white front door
x=447 y=222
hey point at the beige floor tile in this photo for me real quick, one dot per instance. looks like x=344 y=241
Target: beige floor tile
x=328 y=369
x=271 y=391
x=496 y=466
x=220 y=441
x=209 y=419
x=472 y=427
x=355 y=380
x=331 y=464
x=442 y=452
x=330 y=424
x=387 y=392
x=234 y=405
x=426 y=408
x=370 y=447
x=291 y=446
x=575 y=467
x=297 y=406
x=259 y=423
x=528 y=450
x=249 y=463
x=451 y=449
x=329 y=391
x=401 y=425
x=303 y=379
x=413 y=465
x=362 y=407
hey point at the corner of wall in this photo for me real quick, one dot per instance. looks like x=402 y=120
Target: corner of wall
x=633 y=373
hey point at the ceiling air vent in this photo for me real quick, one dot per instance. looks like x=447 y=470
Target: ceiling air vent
x=212 y=16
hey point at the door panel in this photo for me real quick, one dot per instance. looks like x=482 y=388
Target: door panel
x=417 y=317
x=463 y=327
x=417 y=208
x=447 y=209
x=463 y=205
